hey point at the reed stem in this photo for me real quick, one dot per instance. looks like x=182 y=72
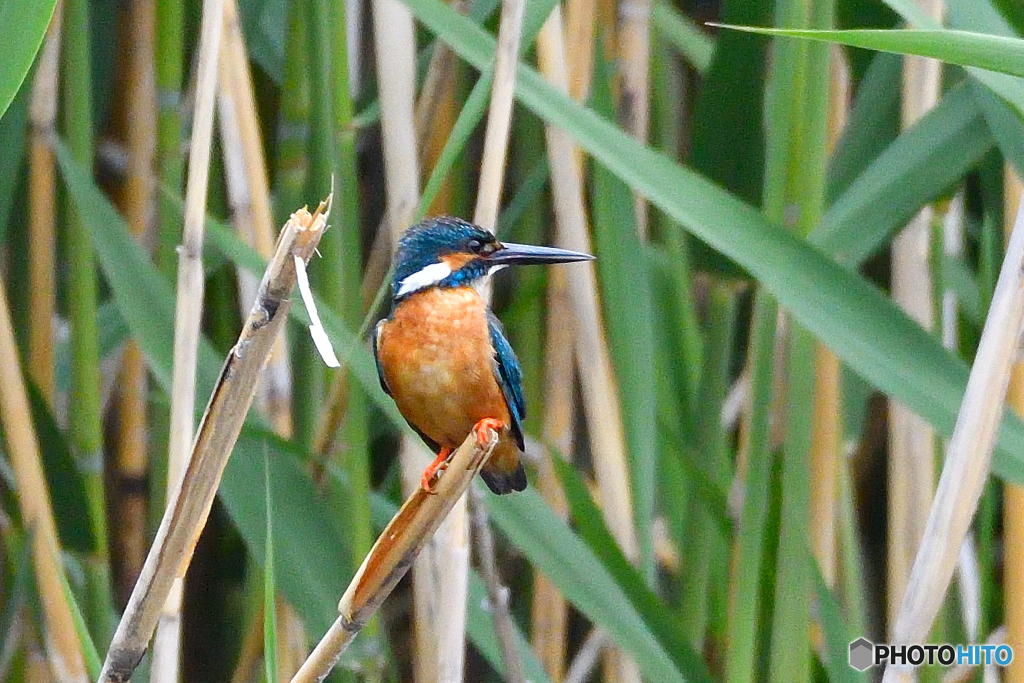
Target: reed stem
x=64 y=651
x=911 y=439
x=826 y=439
x=188 y=315
x=138 y=199
x=42 y=210
x=86 y=420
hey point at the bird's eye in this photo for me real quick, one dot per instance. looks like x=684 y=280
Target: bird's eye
x=475 y=245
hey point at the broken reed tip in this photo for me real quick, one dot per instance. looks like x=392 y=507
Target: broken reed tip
x=304 y=220
x=325 y=205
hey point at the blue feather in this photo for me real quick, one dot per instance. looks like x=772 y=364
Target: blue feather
x=509 y=376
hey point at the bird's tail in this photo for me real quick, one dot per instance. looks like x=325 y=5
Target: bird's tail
x=501 y=482
x=504 y=472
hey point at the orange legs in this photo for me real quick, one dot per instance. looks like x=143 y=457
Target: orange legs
x=440 y=463
x=486 y=423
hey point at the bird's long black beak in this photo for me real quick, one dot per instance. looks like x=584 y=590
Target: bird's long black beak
x=527 y=254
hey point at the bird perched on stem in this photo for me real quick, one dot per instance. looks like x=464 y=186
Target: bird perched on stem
x=442 y=354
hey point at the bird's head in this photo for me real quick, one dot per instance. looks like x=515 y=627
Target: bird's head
x=449 y=252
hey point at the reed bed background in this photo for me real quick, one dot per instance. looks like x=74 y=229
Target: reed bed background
x=799 y=332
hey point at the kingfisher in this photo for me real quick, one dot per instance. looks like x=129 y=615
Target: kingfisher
x=442 y=354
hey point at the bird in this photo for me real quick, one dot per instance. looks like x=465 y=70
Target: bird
x=442 y=354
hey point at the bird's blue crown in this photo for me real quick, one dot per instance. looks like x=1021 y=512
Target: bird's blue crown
x=426 y=242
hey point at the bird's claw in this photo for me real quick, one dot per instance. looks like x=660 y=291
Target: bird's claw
x=481 y=427
x=439 y=465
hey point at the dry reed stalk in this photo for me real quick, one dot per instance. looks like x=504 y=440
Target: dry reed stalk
x=131 y=458
x=968 y=456
x=550 y=611
x=580 y=20
x=249 y=197
x=826 y=460
x=394 y=552
x=188 y=312
x=395 y=46
x=434 y=135
x=580 y=28
x=499 y=114
x=1013 y=512
x=607 y=27
x=190 y=501
x=378 y=261
x=953 y=246
x=132 y=463
x=635 y=81
x=354 y=28
x=435 y=114
x=968 y=573
x=497 y=594
x=587 y=657
x=826 y=426
x=600 y=394
x=499 y=122
x=42 y=209
x=236 y=79
x=911 y=439
x=140 y=118
x=63 y=650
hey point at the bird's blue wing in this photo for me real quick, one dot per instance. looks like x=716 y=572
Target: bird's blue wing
x=376 y=358
x=509 y=376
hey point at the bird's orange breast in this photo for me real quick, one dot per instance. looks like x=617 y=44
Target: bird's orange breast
x=438 y=363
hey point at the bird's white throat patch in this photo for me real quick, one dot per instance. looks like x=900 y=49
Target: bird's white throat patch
x=423 y=278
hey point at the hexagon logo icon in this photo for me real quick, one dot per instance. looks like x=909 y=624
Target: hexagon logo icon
x=862 y=654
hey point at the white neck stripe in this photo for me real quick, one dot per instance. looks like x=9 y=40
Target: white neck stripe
x=423 y=278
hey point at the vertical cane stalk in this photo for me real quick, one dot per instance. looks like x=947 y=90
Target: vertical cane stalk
x=86 y=421
x=911 y=439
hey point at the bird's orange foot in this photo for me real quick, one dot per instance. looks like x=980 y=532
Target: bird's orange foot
x=486 y=423
x=440 y=464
